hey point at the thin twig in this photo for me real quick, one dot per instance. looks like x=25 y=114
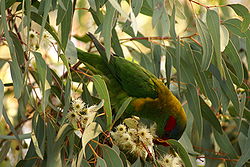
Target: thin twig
x=207 y=6
x=157 y=38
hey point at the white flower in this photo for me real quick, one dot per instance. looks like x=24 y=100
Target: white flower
x=33 y=39
x=166 y=161
x=46 y=41
x=121 y=129
x=78 y=105
x=177 y=162
x=133 y=133
x=125 y=137
x=152 y=130
x=145 y=136
x=140 y=151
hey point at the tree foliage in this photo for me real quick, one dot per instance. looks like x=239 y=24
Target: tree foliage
x=202 y=52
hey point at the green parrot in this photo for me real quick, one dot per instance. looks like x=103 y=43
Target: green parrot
x=152 y=100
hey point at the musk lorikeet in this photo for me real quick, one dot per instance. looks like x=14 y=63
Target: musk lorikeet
x=152 y=100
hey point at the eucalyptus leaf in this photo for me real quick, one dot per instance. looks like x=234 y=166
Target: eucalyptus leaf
x=35 y=142
x=90 y=132
x=111 y=157
x=102 y=90
x=71 y=52
x=101 y=162
x=107 y=28
x=1 y=97
x=180 y=151
x=207 y=44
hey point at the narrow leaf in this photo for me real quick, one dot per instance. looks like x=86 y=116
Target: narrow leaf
x=245 y=156
x=1 y=97
x=10 y=125
x=45 y=15
x=71 y=52
x=103 y=93
x=116 y=5
x=107 y=28
x=207 y=44
x=122 y=108
x=225 y=144
x=235 y=60
x=194 y=106
x=224 y=37
x=36 y=145
x=209 y=115
x=91 y=132
x=180 y=151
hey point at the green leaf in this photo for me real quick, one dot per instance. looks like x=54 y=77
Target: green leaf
x=245 y=156
x=66 y=25
x=90 y=132
x=111 y=157
x=225 y=144
x=235 y=60
x=136 y=6
x=122 y=108
x=137 y=163
x=61 y=10
x=14 y=67
x=44 y=76
x=242 y=107
x=17 y=79
x=67 y=96
x=18 y=49
x=172 y=24
x=233 y=25
x=85 y=38
x=116 y=43
x=22 y=137
x=213 y=24
x=116 y=5
x=101 y=162
x=209 y=115
x=107 y=28
x=226 y=85
x=4 y=150
x=102 y=91
x=1 y=97
x=157 y=12
x=36 y=144
x=46 y=9
x=168 y=66
x=207 y=44
x=7 y=120
x=180 y=151
x=224 y=37
x=178 y=62
x=71 y=52
x=248 y=48
x=194 y=106
x=244 y=13
x=62 y=131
